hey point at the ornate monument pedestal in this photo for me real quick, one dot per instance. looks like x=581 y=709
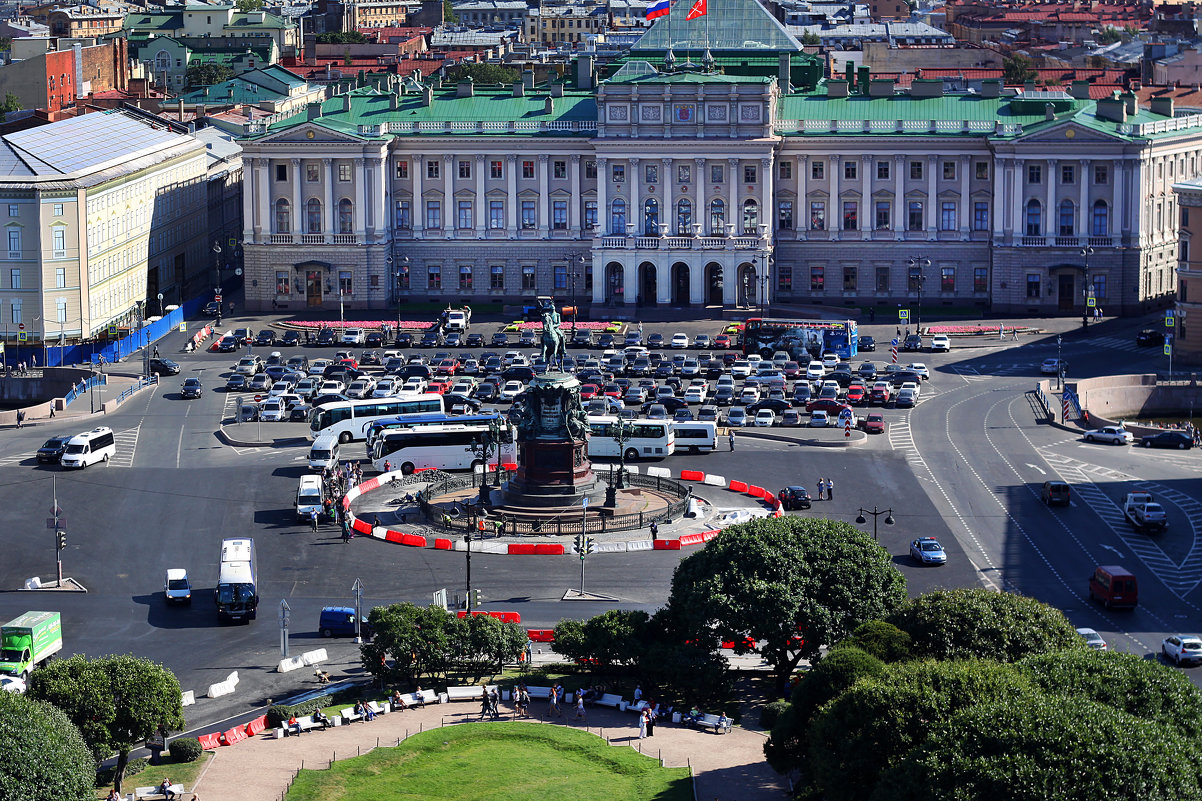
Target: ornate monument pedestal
x=553 y=464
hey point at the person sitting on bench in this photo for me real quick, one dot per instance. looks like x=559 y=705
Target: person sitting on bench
x=165 y=789
x=294 y=724
x=364 y=710
x=322 y=718
x=398 y=701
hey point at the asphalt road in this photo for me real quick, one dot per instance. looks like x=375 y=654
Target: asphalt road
x=964 y=465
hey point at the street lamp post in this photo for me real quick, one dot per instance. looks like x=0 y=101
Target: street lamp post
x=861 y=520
x=573 y=274
x=138 y=341
x=1085 y=254
x=746 y=291
x=918 y=276
x=160 y=296
x=765 y=281
x=484 y=447
x=467 y=541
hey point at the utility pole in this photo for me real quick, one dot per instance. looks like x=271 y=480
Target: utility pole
x=59 y=525
x=285 y=611
x=357 y=588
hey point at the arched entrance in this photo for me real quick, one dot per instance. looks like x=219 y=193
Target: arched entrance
x=680 y=284
x=614 y=276
x=713 y=284
x=746 y=290
x=648 y=287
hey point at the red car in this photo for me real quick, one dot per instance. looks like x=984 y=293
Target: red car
x=588 y=391
x=441 y=387
x=612 y=390
x=722 y=341
x=857 y=393
x=447 y=367
x=874 y=423
x=352 y=363
x=879 y=397
x=829 y=405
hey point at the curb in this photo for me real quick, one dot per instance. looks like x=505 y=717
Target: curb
x=858 y=438
x=279 y=442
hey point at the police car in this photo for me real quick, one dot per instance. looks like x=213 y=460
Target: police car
x=927 y=551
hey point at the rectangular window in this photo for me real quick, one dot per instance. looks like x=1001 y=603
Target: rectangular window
x=402 y=170
x=527 y=169
x=750 y=174
x=464 y=216
x=784 y=279
x=684 y=173
x=1033 y=285
x=344 y=172
x=1099 y=286
x=849 y=170
x=947 y=279
x=949 y=170
x=344 y=282
x=529 y=215
x=281 y=283
x=1034 y=174
x=465 y=169
x=496 y=214
x=590 y=170
x=496 y=169
x=60 y=277
x=651 y=173
x=883 y=215
x=786 y=170
x=559 y=215
x=980 y=279
x=559 y=169
x=1101 y=174
x=433 y=169
x=402 y=278
x=434 y=214
x=16 y=312
x=784 y=215
x=59 y=236
x=58 y=209
x=850 y=215
x=817 y=216
x=559 y=275
x=882 y=170
x=528 y=278
x=982 y=170
x=817 y=278
x=818 y=170
x=882 y=279
x=434 y=277
x=61 y=311
x=914 y=221
x=281 y=174
x=496 y=277
x=14 y=210
x=849 y=278
x=403 y=219
x=312 y=173
x=618 y=173
x=717 y=174
x=980 y=216
x=1068 y=174
x=916 y=170
x=465 y=276
x=14 y=240
x=590 y=215
x=947 y=216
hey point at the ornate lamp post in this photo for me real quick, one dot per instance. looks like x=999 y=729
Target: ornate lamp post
x=861 y=520
x=484 y=447
x=615 y=484
x=1085 y=253
x=575 y=271
x=918 y=276
x=765 y=281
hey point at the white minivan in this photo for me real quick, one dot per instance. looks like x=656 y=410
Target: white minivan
x=90 y=447
x=309 y=497
x=324 y=452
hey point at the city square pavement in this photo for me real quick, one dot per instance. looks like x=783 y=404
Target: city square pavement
x=727 y=767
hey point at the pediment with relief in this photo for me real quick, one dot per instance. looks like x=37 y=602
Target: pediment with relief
x=310 y=132
x=1068 y=132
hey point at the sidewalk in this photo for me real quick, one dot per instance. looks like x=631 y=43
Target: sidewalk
x=728 y=767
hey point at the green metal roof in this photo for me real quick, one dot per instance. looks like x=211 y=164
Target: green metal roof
x=901 y=107
x=636 y=71
x=742 y=25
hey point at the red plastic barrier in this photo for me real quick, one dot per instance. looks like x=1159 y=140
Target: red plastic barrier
x=521 y=549
x=511 y=617
x=541 y=635
x=394 y=536
x=666 y=545
x=209 y=741
x=738 y=486
x=369 y=485
x=413 y=540
x=234 y=735
x=443 y=544
x=706 y=536
x=362 y=526
x=345 y=501
x=692 y=475
x=509 y=465
x=257 y=725
x=549 y=549
x=692 y=539
x=755 y=491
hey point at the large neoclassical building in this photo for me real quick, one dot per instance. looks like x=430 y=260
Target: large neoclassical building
x=713 y=165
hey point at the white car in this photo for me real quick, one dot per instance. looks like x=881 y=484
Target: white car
x=280 y=388
x=1115 y=435
x=941 y=343
x=912 y=385
x=463 y=387
x=726 y=380
x=695 y=394
x=819 y=419
x=331 y=388
x=361 y=388
x=317 y=367
x=1052 y=366
x=749 y=395
x=736 y=417
x=830 y=360
x=249 y=365
x=12 y=684
x=272 y=410
x=679 y=341
x=1182 y=648
x=386 y=388
x=921 y=369
x=176 y=587
x=765 y=418
x=353 y=336
x=511 y=390
x=690 y=368
x=414 y=385
x=815 y=371
x=1093 y=639
x=741 y=368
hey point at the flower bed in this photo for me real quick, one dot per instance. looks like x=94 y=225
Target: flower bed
x=403 y=325
x=967 y=330
x=605 y=327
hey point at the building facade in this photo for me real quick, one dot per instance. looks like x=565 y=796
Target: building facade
x=719 y=183
x=1187 y=338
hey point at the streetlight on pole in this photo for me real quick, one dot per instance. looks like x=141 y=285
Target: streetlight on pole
x=918 y=277
x=573 y=274
x=861 y=520
x=765 y=282
x=484 y=447
x=467 y=541
x=1085 y=254
x=160 y=296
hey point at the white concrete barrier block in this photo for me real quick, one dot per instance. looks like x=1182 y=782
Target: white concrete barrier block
x=289 y=664
x=639 y=545
x=491 y=547
x=715 y=481
x=313 y=657
x=187 y=698
x=232 y=679
x=33 y=583
x=219 y=689
x=659 y=472
x=609 y=547
x=633 y=468
x=694 y=509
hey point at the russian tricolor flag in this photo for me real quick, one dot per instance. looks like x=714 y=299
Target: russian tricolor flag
x=658 y=9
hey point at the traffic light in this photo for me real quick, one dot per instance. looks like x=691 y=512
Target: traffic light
x=579 y=542
x=61 y=539
x=476 y=596
x=588 y=545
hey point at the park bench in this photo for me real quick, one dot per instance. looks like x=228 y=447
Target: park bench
x=465 y=693
x=637 y=706
x=153 y=792
x=349 y=715
x=417 y=699
x=713 y=722
x=378 y=708
x=610 y=700
x=304 y=724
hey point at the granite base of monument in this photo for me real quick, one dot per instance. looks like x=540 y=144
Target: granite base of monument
x=551 y=472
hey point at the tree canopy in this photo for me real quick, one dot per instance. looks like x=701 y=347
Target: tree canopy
x=1018 y=69
x=793 y=584
x=483 y=73
x=44 y=755
x=116 y=701
x=341 y=37
x=207 y=74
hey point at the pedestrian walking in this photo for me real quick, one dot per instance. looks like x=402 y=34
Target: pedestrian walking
x=156 y=351
x=346 y=532
x=650 y=719
x=830 y=490
x=899 y=332
x=20 y=418
x=485 y=704
x=643 y=725
x=580 y=713
x=640 y=328
x=654 y=532
x=821 y=488
x=1001 y=332
x=313 y=519
x=1014 y=333
x=732 y=440
x=494 y=700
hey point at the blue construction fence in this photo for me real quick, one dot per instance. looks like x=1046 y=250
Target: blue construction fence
x=79 y=389
x=109 y=352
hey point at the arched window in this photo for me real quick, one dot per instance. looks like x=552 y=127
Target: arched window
x=651 y=217
x=717 y=217
x=346 y=217
x=162 y=61
x=1034 y=218
x=1067 y=215
x=313 y=216
x=1101 y=219
x=617 y=217
x=684 y=217
x=751 y=217
x=283 y=217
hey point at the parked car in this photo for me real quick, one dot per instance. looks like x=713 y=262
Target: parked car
x=266 y=337
x=227 y=344
x=1114 y=435
x=326 y=338
x=867 y=343
x=765 y=418
x=874 y=423
x=211 y=309
x=236 y=383
x=794 y=498
x=1168 y=439
x=290 y=339
x=913 y=343
x=1053 y=366
x=819 y=419
x=163 y=367
x=1182 y=648
x=736 y=417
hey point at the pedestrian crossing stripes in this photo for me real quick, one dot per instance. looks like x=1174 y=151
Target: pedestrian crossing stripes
x=13 y=458
x=127 y=446
x=1114 y=343
x=901 y=439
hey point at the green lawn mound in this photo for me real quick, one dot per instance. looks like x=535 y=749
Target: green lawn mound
x=491 y=761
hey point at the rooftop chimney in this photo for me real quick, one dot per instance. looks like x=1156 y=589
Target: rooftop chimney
x=557 y=90
x=528 y=79
x=991 y=88
x=314 y=110
x=519 y=89
x=549 y=106
x=427 y=95
x=1079 y=90
x=836 y=87
x=467 y=88
x=1163 y=105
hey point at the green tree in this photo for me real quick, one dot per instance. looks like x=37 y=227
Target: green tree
x=883 y=640
x=960 y=624
x=811 y=38
x=570 y=640
x=483 y=73
x=408 y=643
x=207 y=74
x=341 y=37
x=44 y=755
x=793 y=584
x=1109 y=35
x=482 y=644
x=1045 y=748
x=448 y=13
x=1017 y=69
x=11 y=103
x=248 y=5
x=116 y=701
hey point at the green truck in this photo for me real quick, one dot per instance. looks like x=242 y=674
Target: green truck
x=28 y=641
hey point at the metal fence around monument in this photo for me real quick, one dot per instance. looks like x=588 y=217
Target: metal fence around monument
x=566 y=523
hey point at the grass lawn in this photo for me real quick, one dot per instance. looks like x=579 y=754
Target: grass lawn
x=489 y=761
x=184 y=773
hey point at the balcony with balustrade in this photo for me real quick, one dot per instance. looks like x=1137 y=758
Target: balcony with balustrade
x=676 y=242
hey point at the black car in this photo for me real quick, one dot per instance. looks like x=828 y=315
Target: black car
x=191 y=388
x=243 y=335
x=326 y=338
x=605 y=341
x=913 y=342
x=523 y=374
x=777 y=405
x=212 y=308
x=793 y=498
x=867 y=343
x=236 y=383
x=265 y=337
x=802 y=392
x=370 y=357
x=486 y=392
x=474 y=341
x=374 y=339
x=902 y=376
x=1168 y=439
x=431 y=339
x=456 y=399
x=841 y=375
x=298 y=363
x=500 y=339
x=227 y=345
x=276 y=371
x=670 y=404
x=1149 y=336
x=52 y=451
x=290 y=339
x=404 y=340
x=655 y=341
x=164 y=367
x=583 y=338
x=724 y=396
x=421 y=371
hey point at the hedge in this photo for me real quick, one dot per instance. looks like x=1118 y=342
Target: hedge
x=185 y=749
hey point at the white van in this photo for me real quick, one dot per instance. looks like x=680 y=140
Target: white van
x=309 y=497
x=696 y=436
x=90 y=447
x=324 y=452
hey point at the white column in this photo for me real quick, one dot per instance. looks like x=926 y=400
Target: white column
x=252 y=225
x=511 y=197
x=544 y=196
x=1018 y=202
x=767 y=210
x=360 y=201
x=481 y=201
x=701 y=214
x=663 y=278
x=697 y=284
x=965 y=198
x=630 y=282
x=575 y=201
x=298 y=217
x=997 y=203
x=1050 y=216
x=419 y=202
x=730 y=279
x=1083 y=203
x=1118 y=219
x=932 y=197
x=634 y=211
x=801 y=215
x=668 y=214
x=734 y=214
x=866 y=195
x=379 y=197
x=603 y=210
x=899 y=196
x=448 y=200
x=264 y=166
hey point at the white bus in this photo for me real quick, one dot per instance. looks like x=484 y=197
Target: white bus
x=646 y=439
x=699 y=436
x=441 y=447
x=90 y=447
x=349 y=419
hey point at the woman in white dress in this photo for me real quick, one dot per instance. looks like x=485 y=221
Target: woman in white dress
x=642 y=725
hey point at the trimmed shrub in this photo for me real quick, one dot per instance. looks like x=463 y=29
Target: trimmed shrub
x=185 y=749
x=771 y=712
